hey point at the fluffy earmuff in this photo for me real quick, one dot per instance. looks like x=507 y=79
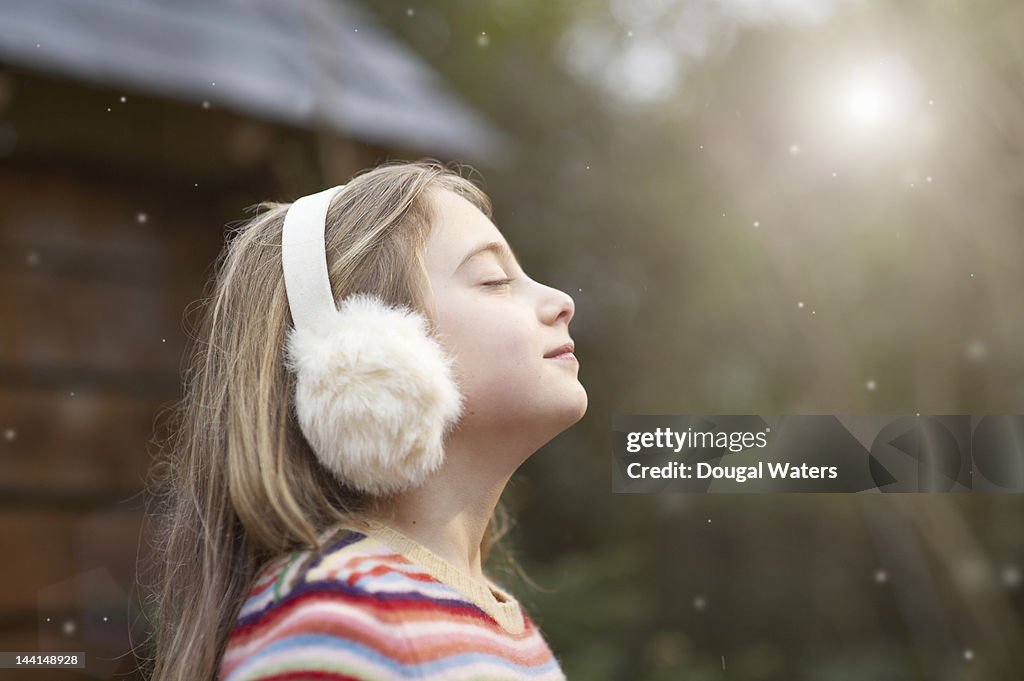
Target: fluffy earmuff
x=375 y=395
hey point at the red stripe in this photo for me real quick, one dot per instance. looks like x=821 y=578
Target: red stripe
x=303 y=675
x=260 y=587
x=393 y=644
x=390 y=610
x=266 y=577
x=387 y=569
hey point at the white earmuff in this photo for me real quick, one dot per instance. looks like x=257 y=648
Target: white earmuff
x=375 y=394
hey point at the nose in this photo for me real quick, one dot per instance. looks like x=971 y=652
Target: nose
x=558 y=304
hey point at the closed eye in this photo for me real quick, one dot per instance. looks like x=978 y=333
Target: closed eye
x=498 y=282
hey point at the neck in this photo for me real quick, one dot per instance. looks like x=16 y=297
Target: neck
x=449 y=513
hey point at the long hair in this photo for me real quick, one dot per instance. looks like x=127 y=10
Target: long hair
x=234 y=483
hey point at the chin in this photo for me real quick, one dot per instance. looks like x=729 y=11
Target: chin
x=578 y=407
x=584 y=403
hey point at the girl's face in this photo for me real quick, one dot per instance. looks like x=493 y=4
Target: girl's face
x=499 y=332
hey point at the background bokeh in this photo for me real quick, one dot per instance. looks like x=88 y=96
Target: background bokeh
x=774 y=207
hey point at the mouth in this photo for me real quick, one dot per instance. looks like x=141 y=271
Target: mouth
x=562 y=352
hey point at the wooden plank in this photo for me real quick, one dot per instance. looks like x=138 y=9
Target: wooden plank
x=89 y=443
x=62 y=564
x=53 y=322
x=38 y=552
x=68 y=583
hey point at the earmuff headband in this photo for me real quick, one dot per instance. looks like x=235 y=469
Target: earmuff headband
x=304 y=256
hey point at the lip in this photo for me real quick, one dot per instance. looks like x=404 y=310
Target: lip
x=562 y=352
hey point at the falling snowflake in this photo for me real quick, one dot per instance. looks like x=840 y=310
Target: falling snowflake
x=976 y=350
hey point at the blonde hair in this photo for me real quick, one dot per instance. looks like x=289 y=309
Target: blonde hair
x=234 y=483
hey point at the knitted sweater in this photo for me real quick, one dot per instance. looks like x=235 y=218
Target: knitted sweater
x=375 y=605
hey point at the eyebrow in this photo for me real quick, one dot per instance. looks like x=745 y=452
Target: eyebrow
x=496 y=247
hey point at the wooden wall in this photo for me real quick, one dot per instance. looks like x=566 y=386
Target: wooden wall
x=94 y=280
x=111 y=217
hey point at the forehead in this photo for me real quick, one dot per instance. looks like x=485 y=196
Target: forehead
x=460 y=228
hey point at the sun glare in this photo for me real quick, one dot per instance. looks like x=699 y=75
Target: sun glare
x=865 y=104
x=877 y=96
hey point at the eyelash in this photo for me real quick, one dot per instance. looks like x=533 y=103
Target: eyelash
x=499 y=282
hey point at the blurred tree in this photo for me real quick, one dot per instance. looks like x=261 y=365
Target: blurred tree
x=735 y=246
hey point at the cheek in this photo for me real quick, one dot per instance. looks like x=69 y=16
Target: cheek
x=491 y=349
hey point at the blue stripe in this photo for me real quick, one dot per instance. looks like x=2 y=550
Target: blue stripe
x=350 y=538
x=358 y=593
x=342 y=644
x=392 y=596
x=395 y=577
x=272 y=595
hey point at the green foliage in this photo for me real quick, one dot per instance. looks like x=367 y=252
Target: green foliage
x=858 y=271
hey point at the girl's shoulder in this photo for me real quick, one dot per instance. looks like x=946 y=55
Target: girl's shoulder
x=350 y=562
x=360 y=603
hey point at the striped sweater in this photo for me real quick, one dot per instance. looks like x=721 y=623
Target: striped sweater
x=375 y=605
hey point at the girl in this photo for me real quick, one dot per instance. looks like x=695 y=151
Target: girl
x=371 y=368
